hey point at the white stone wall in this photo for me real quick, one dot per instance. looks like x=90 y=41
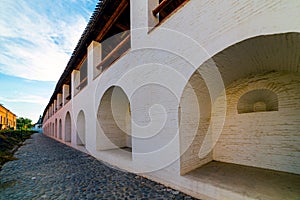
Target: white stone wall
x=199 y=30
x=80 y=130
x=195 y=114
x=268 y=139
x=111 y=117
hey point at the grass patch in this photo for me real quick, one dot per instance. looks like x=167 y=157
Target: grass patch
x=10 y=140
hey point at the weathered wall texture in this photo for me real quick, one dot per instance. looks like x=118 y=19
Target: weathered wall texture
x=113 y=110
x=194 y=119
x=267 y=139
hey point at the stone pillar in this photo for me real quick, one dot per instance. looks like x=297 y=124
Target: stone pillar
x=94 y=57
x=65 y=94
x=139 y=22
x=75 y=80
x=52 y=108
x=55 y=106
x=59 y=101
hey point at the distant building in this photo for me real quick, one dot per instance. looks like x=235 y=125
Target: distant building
x=38 y=126
x=8 y=120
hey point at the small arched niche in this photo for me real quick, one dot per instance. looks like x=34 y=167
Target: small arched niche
x=55 y=129
x=68 y=127
x=60 y=129
x=81 y=128
x=259 y=100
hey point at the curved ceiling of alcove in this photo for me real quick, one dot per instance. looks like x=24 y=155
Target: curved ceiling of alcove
x=280 y=52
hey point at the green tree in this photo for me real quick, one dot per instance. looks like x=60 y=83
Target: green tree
x=24 y=123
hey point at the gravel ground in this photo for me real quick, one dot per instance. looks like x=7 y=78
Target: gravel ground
x=47 y=169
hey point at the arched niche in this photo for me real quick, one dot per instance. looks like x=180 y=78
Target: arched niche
x=68 y=127
x=259 y=100
x=80 y=128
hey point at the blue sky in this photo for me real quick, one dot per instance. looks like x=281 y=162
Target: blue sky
x=37 y=38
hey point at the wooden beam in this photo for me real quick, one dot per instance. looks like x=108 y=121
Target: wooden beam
x=82 y=84
x=161 y=6
x=122 y=26
x=114 y=51
x=112 y=20
x=81 y=62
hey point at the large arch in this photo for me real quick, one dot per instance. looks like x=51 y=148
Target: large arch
x=257 y=66
x=80 y=128
x=68 y=128
x=114 y=119
x=60 y=129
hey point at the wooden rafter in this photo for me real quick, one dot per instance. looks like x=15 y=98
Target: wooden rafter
x=122 y=26
x=82 y=83
x=161 y=6
x=114 y=52
x=112 y=20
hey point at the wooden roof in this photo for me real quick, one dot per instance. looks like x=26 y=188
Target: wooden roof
x=95 y=30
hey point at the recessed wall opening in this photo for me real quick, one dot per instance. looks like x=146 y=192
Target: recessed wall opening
x=82 y=76
x=114 y=119
x=68 y=128
x=80 y=129
x=259 y=100
x=60 y=129
x=166 y=7
x=116 y=40
x=159 y=10
x=260 y=114
x=55 y=129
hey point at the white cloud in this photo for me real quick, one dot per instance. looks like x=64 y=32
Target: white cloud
x=26 y=99
x=34 y=46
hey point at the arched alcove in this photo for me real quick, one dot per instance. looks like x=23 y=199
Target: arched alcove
x=80 y=128
x=60 y=129
x=68 y=127
x=55 y=128
x=258 y=78
x=114 y=119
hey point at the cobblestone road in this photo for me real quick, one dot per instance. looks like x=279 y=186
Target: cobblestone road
x=47 y=169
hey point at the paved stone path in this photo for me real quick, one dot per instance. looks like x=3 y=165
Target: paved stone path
x=47 y=169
